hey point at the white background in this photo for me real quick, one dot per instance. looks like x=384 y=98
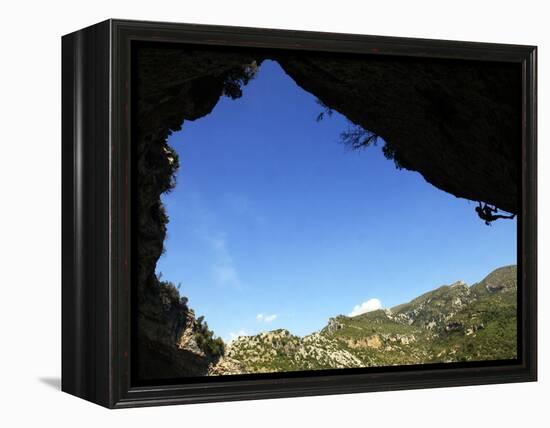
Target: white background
x=30 y=215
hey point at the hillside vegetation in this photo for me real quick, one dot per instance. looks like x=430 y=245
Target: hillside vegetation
x=452 y=323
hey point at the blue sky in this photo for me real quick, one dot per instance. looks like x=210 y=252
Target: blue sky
x=275 y=224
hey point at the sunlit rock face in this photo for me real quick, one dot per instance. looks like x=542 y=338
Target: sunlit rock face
x=456 y=123
x=167 y=345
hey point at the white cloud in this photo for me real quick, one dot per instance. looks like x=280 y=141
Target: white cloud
x=238 y=202
x=368 y=306
x=235 y=335
x=242 y=205
x=224 y=269
x=266 y=318
x=218 y=244
x=226 y=274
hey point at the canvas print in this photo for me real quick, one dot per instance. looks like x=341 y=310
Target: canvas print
x=309 y=211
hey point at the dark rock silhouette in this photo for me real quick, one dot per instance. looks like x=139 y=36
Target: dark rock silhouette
x=171 y=86
x=456 y=123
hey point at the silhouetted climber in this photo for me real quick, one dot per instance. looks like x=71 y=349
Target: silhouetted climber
x=485 y=212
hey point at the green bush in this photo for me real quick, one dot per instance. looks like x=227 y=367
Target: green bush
x=207 y=341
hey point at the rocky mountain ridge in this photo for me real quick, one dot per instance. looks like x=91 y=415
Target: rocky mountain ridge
x=452 y=323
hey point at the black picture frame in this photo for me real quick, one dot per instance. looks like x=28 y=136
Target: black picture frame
x=97 y=232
